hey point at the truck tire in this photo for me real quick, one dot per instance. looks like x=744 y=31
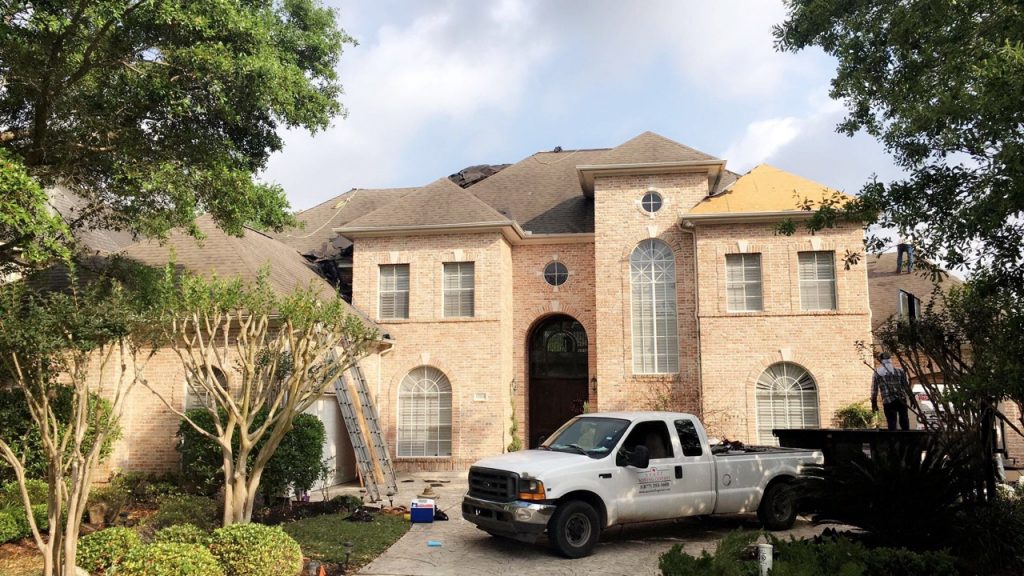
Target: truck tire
x=778 y=506
x=574 y=529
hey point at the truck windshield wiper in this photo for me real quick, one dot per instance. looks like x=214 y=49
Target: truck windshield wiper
x=575 y=448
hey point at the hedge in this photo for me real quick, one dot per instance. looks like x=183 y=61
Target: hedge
x=171 y=559
x=256 y=550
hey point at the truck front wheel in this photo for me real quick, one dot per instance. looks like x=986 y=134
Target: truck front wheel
x=574 y=529
x=778 y=507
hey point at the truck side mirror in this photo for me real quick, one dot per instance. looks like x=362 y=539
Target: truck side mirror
x=640 y=458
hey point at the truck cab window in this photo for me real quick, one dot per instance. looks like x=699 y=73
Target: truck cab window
x=688 y=438
x=654 y=435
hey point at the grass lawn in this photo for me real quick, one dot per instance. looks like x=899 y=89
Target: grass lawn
x=322 y=537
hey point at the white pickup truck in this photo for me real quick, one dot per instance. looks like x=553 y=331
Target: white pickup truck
x=603 y=469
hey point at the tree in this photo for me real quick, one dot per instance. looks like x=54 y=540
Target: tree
x=156 y=111
x=29 y=234
x=81 y=352
x=939 y=83
x=260 y=360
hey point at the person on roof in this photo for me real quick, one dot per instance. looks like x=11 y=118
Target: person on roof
x=905 y=248
x=891 y=382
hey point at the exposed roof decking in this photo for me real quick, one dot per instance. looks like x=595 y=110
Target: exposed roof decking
x=764 y=189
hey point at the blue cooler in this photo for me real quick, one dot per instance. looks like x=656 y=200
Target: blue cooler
x=422 y=510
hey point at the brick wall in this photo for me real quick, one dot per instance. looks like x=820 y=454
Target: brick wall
x=473 y=353
x=737 y=347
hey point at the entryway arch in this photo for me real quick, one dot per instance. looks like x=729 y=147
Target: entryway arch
x=557 y=358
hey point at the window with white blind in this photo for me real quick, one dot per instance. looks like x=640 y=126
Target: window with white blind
x=743 y=283
x=197 y=394
x=787 y=397
x=394 y=291
x=458 y=289
x=653 y=304
x=817 y=280
x=424 y=414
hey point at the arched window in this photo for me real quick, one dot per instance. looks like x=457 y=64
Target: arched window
x=655 y=325
x=197 y=394
x=425 y=414
x=787 y=397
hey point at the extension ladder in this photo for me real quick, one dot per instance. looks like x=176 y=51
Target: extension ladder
x=371 y=451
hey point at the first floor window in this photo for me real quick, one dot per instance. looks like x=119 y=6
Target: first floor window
x=787 y=397
x=425 y=414
x=394 y=291
x=197 y=391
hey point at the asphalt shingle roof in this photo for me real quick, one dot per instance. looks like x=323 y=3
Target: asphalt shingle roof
x=884 y=284
x=440 y=203
x=649 y=148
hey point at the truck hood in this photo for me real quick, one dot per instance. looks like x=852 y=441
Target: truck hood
x=533 y=462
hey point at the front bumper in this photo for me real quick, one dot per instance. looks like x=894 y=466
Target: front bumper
x=525 y=521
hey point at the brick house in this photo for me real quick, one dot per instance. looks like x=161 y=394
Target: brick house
x=641 y=276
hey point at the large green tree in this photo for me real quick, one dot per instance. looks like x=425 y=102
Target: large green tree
x=940 y=84
x=157 y=110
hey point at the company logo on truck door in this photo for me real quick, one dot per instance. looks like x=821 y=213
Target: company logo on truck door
x=653 y=481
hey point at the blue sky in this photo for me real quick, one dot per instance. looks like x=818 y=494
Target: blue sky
x=438 y=85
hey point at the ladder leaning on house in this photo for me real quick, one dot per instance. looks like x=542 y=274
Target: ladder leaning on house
x=360 y=415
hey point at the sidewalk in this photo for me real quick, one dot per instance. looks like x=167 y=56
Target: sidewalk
x=464 y=549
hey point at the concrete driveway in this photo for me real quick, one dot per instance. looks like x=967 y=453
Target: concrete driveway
x=464 y=549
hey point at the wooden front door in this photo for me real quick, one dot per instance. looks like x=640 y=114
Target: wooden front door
x=558 y=375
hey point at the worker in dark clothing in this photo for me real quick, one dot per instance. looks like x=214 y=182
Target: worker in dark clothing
x=891 y=383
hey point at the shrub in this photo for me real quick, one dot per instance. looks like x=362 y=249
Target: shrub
x=114 y=497
x=170 y=559
x=295 y=463
x=14 y=524
x=856 y=415
x=16 y=422
x=823 y=555
x=10 y=493
x=989 y=538
x=100 y=551
x=182 y=534
x=185 y=509
x=256 y=550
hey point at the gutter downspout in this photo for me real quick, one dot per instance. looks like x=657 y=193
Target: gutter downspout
x=688 y=228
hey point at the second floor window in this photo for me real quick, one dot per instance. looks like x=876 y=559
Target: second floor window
x=910 y=305
x=817 y=280
x=743 y=283
x=394 y=291
x=458 y=289
x=653 y=305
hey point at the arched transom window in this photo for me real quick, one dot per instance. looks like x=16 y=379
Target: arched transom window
x=787 y=397
x=654 y=322
x=425 y=414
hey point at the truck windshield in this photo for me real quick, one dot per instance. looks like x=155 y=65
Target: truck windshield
x=589 y=436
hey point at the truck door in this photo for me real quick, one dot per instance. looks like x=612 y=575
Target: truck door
x=645 y=494
x=693 y=475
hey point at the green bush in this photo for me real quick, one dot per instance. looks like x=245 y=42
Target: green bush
x=113 y=496
x=256 y=550
x=856 y=415
x=14 y=524
x=100 y=551
x=182 y=534
x=17 y=424
x=295 y=463
x=185 y=509
x=170 y=559
x=10 y=493
x=823 y=555
x=989 y=538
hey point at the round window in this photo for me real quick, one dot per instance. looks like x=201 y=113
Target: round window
x=555 y=273
x=651 y=202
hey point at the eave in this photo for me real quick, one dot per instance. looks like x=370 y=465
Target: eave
x=588 y=172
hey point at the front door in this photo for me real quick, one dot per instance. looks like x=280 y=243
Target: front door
x=558 y=375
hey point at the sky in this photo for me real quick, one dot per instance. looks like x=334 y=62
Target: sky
x=435 y=86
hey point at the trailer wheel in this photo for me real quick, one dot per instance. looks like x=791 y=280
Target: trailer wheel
x=778 y=506
x=574 y=529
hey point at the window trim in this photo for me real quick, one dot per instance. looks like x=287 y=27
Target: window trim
x=565 y=274
x=744 y=283
x=396 y=292
x=644 y=202
x=444 y=393
x=461 y=291
x=639 y=340
x=817 y=281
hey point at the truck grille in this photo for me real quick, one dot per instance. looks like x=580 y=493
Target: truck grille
x=493 y=485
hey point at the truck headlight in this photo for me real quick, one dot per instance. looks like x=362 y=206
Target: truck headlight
x=531 y=489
